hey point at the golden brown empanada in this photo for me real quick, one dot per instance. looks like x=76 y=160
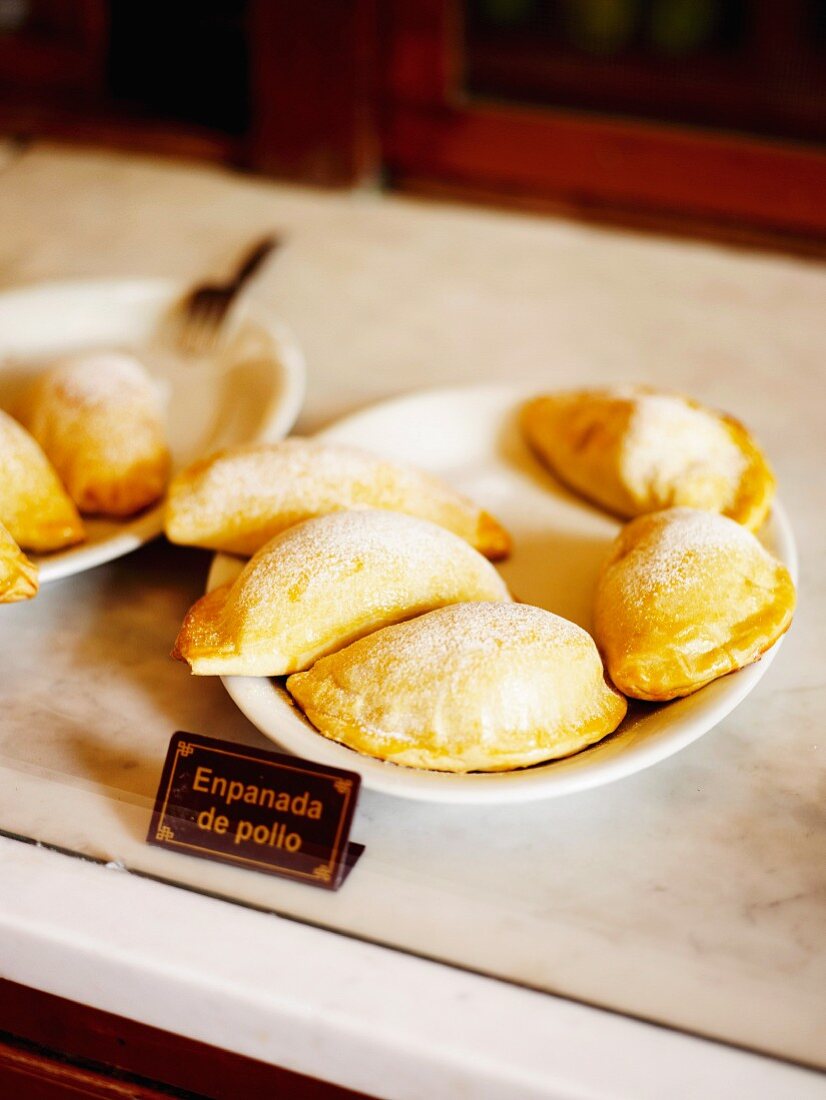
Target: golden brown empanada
x=18 y=575
x=34 y=506
x=471 y=687
x=99 y=419
x=325 y=582
x=635 y=451
x=238 y=499
x=685 y=597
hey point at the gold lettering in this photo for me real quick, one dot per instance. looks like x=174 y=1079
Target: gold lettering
x=315 y=810
x=202 y=775
x=236 y=789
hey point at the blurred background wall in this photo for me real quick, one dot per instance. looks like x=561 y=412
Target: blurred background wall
x=694 y=116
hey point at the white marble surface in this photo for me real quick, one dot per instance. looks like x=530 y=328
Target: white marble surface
x=691 y=894
x=371 y=1019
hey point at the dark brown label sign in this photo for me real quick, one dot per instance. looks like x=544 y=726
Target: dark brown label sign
x=260 y=810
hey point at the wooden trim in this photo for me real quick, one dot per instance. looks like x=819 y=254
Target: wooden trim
x=718 y=231
x=434 y=135
x=52 y=1038
x=29 y=1073
x=313 y=76
x=118 y=131
x=64 y=50
x=591 y=162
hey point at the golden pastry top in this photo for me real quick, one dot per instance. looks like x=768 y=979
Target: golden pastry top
x=684 y=597
x=237 y=500
x=99 y=418
x=470 y=687
x=320 y=584
x=636 y=450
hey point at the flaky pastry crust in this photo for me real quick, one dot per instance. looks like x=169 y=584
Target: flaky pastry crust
x=34 y=506
x=237 y=500
x=323 y=583
x=18 y=575
x=685 y=597
x=99 y=419
x=471 y=687
x=634 y=451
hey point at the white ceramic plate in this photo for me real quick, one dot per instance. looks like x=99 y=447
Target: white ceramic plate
x=469 y=437
x=253 y=390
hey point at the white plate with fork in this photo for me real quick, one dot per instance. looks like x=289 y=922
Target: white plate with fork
x=251 y=390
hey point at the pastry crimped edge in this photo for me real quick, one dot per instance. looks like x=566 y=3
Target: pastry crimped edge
x=492 y=539
x=18 y=575
x=757 y=486
x=351 y=735
x=723 y=660
x=755 y=489
x=126 y=495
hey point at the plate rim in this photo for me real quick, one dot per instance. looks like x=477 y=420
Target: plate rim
x=253 y=695
x=280 y=418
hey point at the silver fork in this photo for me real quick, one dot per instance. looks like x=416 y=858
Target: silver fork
x=202 y=312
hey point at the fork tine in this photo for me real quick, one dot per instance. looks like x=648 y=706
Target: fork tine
x=193 y=335
x=200 y=316
x=211 y=321
x=187 y=321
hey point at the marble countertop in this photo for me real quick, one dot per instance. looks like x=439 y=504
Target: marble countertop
x=691 y=895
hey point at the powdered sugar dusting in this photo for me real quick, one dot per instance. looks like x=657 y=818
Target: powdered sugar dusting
x=465 y=630
x=276 y=468
x=390 y=543
x=681 y=545
x=101 y=378
x=295 y=479
x=668 y=442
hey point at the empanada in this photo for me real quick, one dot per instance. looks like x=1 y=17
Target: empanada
x=325 y=582
x=18 y=576
x=99 y=419
x=684 y=597
x=34 y=506
x=635 y=451
x=471 y=687
x=238 y=499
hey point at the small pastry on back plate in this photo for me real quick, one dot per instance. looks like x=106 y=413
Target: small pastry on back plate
x=34 y=506
x=18 y=575
x=635 y=451
x=685 y=597
x=325 y=582
x=99 y=418
x=237 y=500
x=471 y=687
